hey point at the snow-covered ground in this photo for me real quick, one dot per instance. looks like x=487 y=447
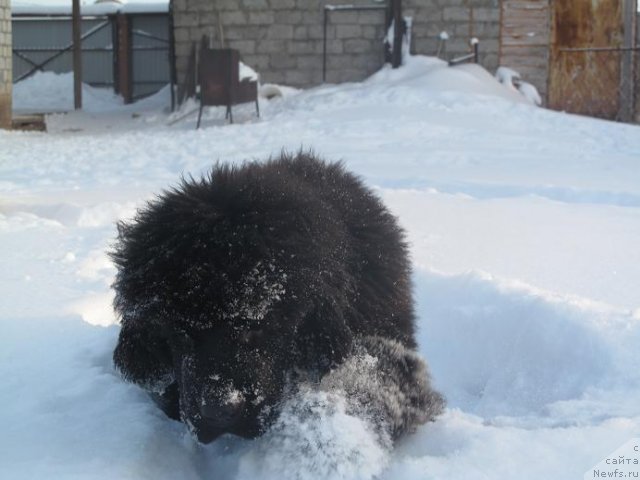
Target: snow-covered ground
x=524 y=227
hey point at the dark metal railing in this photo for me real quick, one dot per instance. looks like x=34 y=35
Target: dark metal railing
x=470 y=57
x=605 y=81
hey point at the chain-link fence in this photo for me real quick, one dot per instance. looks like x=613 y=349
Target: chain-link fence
x=600 y=82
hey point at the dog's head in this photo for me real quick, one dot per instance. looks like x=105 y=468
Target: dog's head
x=226 y=349
x=229 y=377
x=223 y=296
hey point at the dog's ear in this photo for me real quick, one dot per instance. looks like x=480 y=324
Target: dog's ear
x=144 y=358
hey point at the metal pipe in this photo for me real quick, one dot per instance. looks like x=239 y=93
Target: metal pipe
x=324 y=44
x=600 y=49
x=172 y=58
x=398 y=33
x=77 y=55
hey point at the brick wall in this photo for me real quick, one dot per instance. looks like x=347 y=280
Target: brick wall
x=5 y=64
x=283 y=39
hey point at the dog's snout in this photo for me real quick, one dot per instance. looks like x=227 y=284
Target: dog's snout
x=222 y=414
x=217 y=418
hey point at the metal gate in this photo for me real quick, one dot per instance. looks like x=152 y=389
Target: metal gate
x=149 y=54
x=600 y=82
x=593 y=57
x=44 y=44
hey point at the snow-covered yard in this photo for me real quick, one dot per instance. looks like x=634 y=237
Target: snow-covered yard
x=525 y=231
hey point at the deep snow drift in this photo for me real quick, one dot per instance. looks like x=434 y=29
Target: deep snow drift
x=524 y=227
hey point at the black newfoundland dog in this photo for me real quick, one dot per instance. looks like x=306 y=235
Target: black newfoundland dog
x=236 y=289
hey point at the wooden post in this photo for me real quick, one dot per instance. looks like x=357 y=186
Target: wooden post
x=398 y=33
x=77 y=55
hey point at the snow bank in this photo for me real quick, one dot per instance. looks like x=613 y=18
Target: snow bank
x=504 y=349
x=435 y=75
x=523 y=225
x=527 y=378
x=53 y=92
x=315 y=438
x=64 y=405
x=510 y=245
x=511 y=79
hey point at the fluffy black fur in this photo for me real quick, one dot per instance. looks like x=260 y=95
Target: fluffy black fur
x=234 y=288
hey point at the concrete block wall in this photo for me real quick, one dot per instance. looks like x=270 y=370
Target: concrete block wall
x=637 y=70
x=283 y=39
x=462 y=20
x=5 y=64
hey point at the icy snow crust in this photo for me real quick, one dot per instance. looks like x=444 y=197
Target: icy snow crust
x=524 y=227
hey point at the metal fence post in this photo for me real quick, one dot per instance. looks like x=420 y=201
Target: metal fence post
x=324 y=44
x=398 y=33
x=123 y=54
x=626 y=92
x=77 y=55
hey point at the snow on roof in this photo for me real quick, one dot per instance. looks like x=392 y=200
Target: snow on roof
x=57 y=7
